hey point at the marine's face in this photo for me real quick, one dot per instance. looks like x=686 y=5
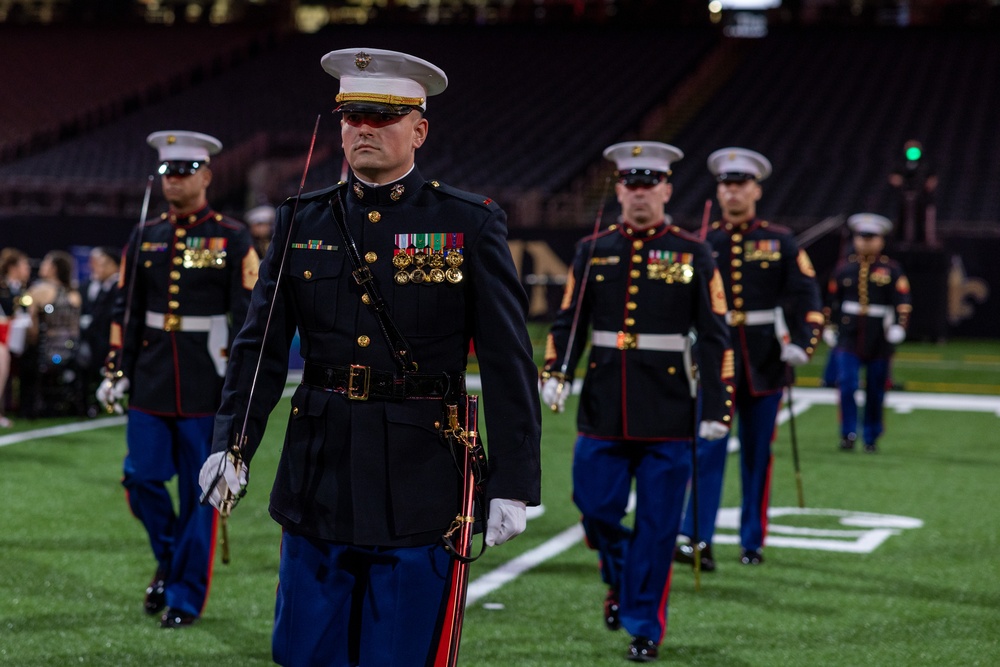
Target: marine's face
x=380 y=147
x=738 y=199
x=868 y=244
x=642 y=207
x=186 y=193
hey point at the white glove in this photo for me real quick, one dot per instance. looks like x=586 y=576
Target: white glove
x=793 y=355
x=895 y=334
x=551 y=395
x=830 y=336
x=710 y=430
x=111 y=391
x=219 y=467
x=507 y=520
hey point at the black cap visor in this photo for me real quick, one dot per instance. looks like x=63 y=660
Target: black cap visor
x=376 y=108
x=735 y=177
x=642 y=178
x=180 y=167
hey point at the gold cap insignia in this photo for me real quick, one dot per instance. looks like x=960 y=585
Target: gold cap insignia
x=636 y=151
x=362 y=60
x=171 y=140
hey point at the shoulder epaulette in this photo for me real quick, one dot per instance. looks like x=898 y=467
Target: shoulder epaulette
x=684 y=234
x=464 y=195
x=780 y=229
x=610 y=229
x=318 y=194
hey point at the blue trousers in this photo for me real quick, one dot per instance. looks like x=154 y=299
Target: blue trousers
x=341 y=605
x=756 y=417
x=876 y=378
x=183 y=541
x=635 y=562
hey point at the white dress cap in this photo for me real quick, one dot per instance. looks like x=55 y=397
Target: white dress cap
x=738 y=164
x=263 y=214
x=183 y=145
x=380 y=77
x=643 y=155
x=869 y=223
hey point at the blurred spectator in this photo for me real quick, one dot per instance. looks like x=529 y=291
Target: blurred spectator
x=95 y=320
x=260 y=219
x=50 y=379
x=15 y=271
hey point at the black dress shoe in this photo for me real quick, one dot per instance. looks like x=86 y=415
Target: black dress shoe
x=156 y=593
x=612 y=610
x=871 y=447
x=847 y=442
x=642 y=649
x=751 y=557
x=684 y=553
x=175 y=618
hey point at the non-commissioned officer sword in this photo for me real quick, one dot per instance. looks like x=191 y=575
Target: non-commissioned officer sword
x=113 y=407
x=235 y=453
x=564 y=366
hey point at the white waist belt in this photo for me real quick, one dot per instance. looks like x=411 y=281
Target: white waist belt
x=749 y=317
x=875 y=310
x=181 y=322
x=634 y=341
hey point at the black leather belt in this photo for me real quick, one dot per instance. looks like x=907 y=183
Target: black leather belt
x=363 y=383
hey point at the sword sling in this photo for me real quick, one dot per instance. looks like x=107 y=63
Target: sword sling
x=795 y=442
x=458 y=539
x=564 y=366
x=695 y=534
x=235 y=453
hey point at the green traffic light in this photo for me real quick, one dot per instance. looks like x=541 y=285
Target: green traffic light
x=913 y=153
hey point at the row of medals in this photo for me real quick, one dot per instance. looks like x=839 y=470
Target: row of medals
x=428 y=268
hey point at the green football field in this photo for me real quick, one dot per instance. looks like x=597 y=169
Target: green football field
x=895 y=559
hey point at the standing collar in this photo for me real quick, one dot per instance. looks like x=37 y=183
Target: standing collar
x=398 y=191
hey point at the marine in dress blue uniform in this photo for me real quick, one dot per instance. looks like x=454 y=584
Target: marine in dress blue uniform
x=647 y=287
x=869 y=309
x=189 y=273
x=762 y=269
x=366 y=486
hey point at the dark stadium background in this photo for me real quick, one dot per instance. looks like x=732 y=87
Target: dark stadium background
x=537 y=88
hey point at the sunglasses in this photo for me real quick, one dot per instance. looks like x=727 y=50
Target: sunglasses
x=179 y=167
x=644 y=178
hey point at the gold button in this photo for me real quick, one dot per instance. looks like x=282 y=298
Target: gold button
x=295 y=411
x=365 y=299
x=764 y=265
x=374 y=216
x=191 y=218
x=599 y=277
x=631 y=305
x=672 y=370
x=178 y=260
x=175 y=275
x=174 y=289
x=635 y=273
x=729 y=402
x=737 y=289
x=729 y=389
x=727 y=418
x=737 y=263
x=148 y=263
x=737 y=238
x=738 y=302
x=637 y=245
x=636 y=258
x=173 y=305
x=437 y=424
x=180 y=246
x=629 y=321
x=181 y=233
x=371 y=257
x=737 y=275
x=307 y=274
x=737 y=249
x=364 y=341
x=633 y=289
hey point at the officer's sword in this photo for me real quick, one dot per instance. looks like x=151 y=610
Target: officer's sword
x=235 y=451
x=693 y=379
x=564 y=367
x=781 y=331
x=112 y=407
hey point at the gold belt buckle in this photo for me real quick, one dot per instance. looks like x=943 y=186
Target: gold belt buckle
x=171 y=322
x=626 y=341
x=358 y=391
x=737 y=318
